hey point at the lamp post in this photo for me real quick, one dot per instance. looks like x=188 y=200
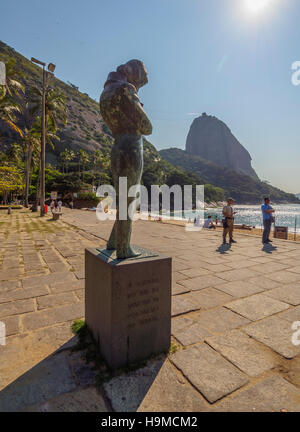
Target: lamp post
x=51 y=69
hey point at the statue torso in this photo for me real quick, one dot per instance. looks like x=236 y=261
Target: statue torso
x=122 y=111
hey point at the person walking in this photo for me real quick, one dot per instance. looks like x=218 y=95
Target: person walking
x=267 y=212
x=59 y=205
x=228 y=221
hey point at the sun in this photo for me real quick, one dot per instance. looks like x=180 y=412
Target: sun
x=257 y=6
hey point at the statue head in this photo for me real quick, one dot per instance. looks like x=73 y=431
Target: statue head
x=135 y=73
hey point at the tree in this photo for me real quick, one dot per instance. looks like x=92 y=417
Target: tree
x=83 y=159
x=55 y=112
x=55 y=105
x=9 y=95
x=10 y=180
x=32 y=147
x=67 y=156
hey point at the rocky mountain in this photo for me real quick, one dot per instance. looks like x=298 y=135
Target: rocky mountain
x=243 y=188
x=211 y=139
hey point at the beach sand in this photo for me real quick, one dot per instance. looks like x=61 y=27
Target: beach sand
x=254 y=231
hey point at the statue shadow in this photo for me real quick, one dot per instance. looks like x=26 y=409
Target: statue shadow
x=269 y=248
x=65 y=382
x=224 y=248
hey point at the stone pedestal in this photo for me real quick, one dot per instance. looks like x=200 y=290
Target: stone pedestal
x=128 y=306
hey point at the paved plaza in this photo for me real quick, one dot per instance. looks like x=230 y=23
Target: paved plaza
x=232 y=314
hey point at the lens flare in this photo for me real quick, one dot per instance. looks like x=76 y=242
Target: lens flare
x=256 y=6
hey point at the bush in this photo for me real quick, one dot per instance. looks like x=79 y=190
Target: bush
x=88 y=196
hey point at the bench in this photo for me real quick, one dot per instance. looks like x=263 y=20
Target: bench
x=56 y=215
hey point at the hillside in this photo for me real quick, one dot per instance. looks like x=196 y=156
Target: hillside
x=244 y=189
x=211 y=139
x=85 y=128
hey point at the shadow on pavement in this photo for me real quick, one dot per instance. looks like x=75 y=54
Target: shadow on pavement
x=224 y=248
x=63 y=381
x=269 y=248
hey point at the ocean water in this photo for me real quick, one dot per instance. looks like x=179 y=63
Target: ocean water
x=251 y=215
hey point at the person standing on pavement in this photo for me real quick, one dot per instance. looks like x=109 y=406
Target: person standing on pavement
x=228 y=221
x=267 y=212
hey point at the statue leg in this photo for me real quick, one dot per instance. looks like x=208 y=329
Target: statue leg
x=111 y=244
x=126 y=161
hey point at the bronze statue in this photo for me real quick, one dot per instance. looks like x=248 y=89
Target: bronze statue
x=123 y=113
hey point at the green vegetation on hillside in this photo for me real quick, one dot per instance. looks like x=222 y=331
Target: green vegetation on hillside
x=84 y=128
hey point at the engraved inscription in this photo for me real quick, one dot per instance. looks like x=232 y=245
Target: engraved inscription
x=143 y=303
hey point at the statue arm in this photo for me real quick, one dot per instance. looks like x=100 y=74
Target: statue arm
x=136 y=112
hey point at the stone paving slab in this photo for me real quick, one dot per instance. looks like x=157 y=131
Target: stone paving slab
x=291 y=315
x=196 y=365
x=274 y=394
x=276 y=333
x=16 y=307
x=209 y=298
x=82 y=400
x=264 y=283
x=50 y=301
x=200 y=282
x=182 y=304
x=245 y=353
x=39 y=384
x=240 y=289
x=220 y=320
x=181 y=397
x=48 y=317
x=288 y=294
x=21 y=294
x=188 y=331
x=237 y=275
x=257 y=307
x=284 y=277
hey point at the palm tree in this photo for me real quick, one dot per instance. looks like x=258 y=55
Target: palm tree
x=32 y=145
x=55 y=111
x=13 y=86
x=83 y=159
x=101 y=162
x=67 y=156
x=9 y=95
x=8 y=110
x=55 y=105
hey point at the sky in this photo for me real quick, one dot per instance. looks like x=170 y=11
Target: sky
x=228 y=58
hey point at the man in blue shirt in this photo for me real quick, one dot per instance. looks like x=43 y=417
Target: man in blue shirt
x=267 y=211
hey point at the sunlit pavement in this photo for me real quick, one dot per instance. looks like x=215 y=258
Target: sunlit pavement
x=233 y=311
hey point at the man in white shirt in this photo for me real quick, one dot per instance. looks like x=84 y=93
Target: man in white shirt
x=228 y=223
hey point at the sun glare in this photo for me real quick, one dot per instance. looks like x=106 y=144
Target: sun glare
x=257 y=6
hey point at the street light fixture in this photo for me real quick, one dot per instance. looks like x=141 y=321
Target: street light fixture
x=51 y=69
